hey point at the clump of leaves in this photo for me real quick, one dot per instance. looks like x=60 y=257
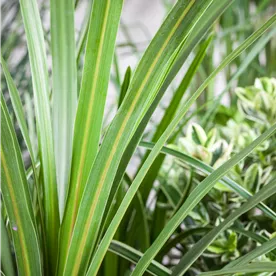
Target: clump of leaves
x=254 y=172
x=75 y=202
x=257 y=103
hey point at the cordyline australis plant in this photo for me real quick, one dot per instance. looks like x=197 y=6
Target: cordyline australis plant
x=62 y=215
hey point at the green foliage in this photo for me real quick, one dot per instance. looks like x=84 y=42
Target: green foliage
x=258 y=102
x=201 y=200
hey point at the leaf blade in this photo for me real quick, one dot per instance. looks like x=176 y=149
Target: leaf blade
x=135 y=185
x=6 y=255
x=251 y=268
x=17 y=200
x=100 y=46
x=141 y=93
x=37 y=56
x=202 y=244
x=265 y=248
x=134 y=255
x=64 y=74
x=197 y=164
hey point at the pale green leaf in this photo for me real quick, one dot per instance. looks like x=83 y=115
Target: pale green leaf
x=64 y=73
x=40 y=81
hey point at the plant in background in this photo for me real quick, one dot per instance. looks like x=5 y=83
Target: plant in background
x=257 y=103
x=75 y=210
x=254 y=172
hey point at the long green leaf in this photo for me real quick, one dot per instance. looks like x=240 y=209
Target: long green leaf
x=203 y=24
x=199 y=192
x=125 y=85
x=37 y=56
x=104 y=21
x=181 y=237
x=18 y=108
x=194 y=198
x=83 y=35
x=251 y=268
x=199 y=165
x=204 y=230
x=19 y=112
x=17 y=200
x=200 y=246
x=169 y=114
x=252 y=235
x=142 y=90
x=6 y=255
x=64 y=90
x=134 y=255
x=159 y=217
x=257 y=252
x=158 y=146
x=142 y=231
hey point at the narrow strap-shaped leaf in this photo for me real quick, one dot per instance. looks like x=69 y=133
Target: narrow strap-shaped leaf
x=181 y=237
x=252 y=235
x=250 y=268
x=204 y=230
x=204 y=23
x=30 y=118
x=202 y=244
x=100 y=44
x=64 y=90
x=168 y=116
x=18 y=108
x=19 y=112
x=98 y=58
x=40 y=81
x=125 y=85
x=134 y=255
x=257 y=252
x=142 y=90
x=144 y=232
x=172 y=192
x=158 y=146
x=182 y=88
x=136 y=137
x=201 y=166
x=132 y=145
x=83 y=35
x=194 y=198
x=197 y=194
x=6 y=255
x=201 y=27
x=116 y=77
x=168 y=230
x=17 y=200
x=159 y=217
